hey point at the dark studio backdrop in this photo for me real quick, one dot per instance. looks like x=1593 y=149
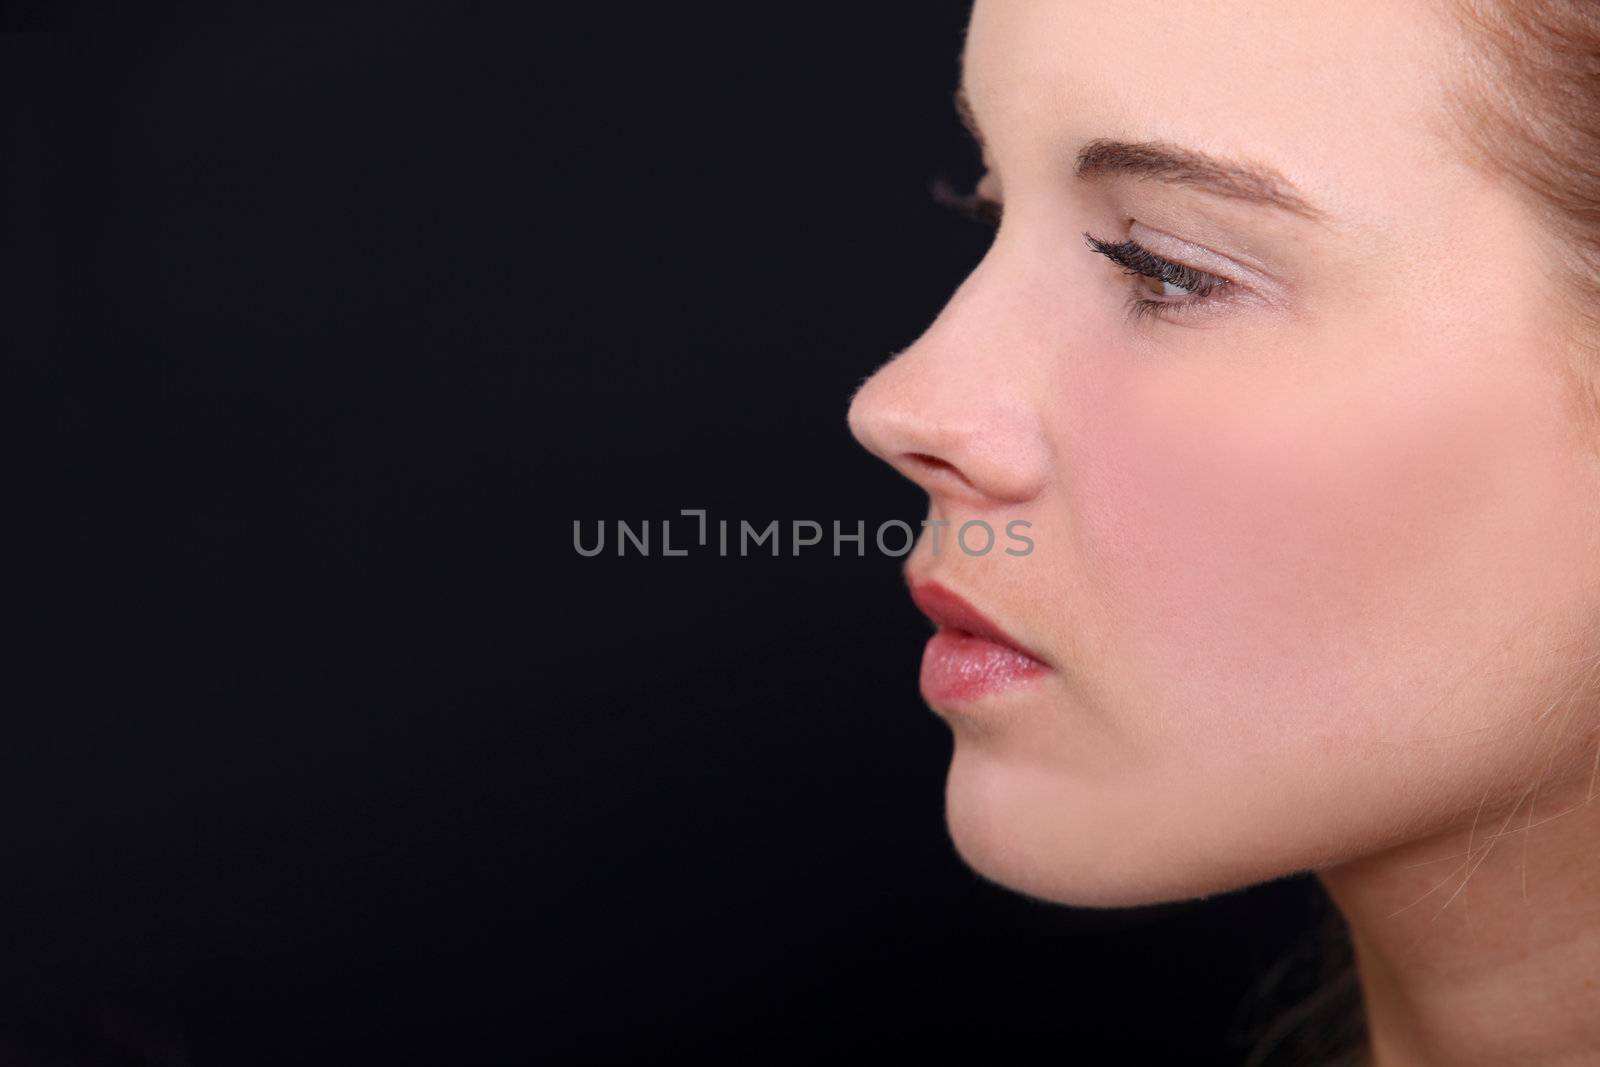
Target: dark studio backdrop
x=326 y=746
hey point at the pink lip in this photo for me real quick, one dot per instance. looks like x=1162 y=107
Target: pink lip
x=969 y=656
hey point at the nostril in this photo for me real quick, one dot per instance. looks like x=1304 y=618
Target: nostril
x=931 y=463
x=930 y=471
x=934 y=474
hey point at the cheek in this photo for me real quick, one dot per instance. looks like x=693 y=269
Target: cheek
x=1324 y=546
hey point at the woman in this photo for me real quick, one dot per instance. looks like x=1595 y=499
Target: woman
x=1285 y=350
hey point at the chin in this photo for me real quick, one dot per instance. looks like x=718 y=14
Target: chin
x=1055 y=839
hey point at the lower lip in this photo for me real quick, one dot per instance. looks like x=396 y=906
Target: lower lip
x=959 y=666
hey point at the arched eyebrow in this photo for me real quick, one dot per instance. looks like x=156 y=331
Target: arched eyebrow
x=1166 y=162
x=1162 y=161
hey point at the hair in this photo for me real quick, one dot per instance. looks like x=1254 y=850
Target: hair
x=1529 y=113
x=1306 y=1009
x=1529 y=108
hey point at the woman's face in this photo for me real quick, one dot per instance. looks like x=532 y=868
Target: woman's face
x=1315 y=521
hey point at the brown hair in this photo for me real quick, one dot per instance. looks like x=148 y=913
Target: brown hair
x=1530 y=110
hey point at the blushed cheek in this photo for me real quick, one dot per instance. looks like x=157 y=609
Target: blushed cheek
x=1302 y=546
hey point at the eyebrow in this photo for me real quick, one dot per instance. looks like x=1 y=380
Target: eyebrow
x=1163 y=161
x=1172 y=163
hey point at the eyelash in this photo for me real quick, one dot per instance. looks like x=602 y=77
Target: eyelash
x=1132 y=257
x=1135 y=259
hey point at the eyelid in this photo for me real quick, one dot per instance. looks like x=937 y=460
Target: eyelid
x=1135 y=258
x=1203 y=259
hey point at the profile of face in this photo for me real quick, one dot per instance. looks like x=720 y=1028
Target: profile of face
x=1278 y=378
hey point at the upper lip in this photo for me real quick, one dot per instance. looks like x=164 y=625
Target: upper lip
x=952 y=611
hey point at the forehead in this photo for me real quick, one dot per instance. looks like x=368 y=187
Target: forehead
x=1335 y=96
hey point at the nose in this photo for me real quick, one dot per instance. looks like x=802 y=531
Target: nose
x=959 y=411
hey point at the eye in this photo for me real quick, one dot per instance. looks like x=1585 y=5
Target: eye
x=1162 y=287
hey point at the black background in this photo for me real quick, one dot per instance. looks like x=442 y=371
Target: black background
x=328 y=747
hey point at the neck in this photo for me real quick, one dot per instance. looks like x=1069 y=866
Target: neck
x=1481 y=945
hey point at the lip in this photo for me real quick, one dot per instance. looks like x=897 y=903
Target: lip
x=969 y=656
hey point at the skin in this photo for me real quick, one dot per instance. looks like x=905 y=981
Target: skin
x=1317 y=562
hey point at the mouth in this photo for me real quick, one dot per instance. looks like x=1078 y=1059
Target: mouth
x=968 y=657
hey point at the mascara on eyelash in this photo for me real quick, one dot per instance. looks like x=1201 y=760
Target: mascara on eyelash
x=1133 y=257
x=1137 y=259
